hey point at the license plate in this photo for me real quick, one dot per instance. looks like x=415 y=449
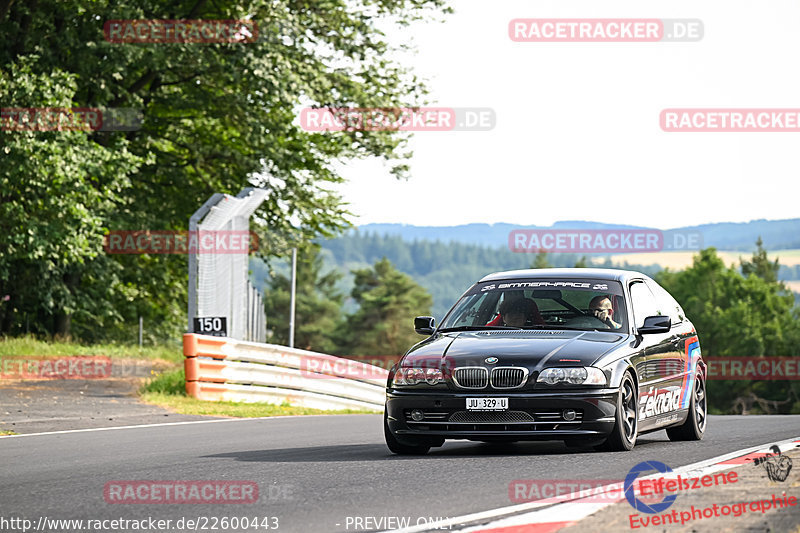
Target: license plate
x=487 y=404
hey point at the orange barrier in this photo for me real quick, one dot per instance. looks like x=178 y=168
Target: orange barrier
x=220 y=369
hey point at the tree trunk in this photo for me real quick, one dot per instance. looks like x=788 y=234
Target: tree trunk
x=63 y=323
x=63 y=320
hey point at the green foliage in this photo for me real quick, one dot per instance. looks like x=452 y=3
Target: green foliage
x=760 y=266
x=388 y=302
x=739 y=316
x=318 y=309
x=583 y=262
x=217 y=117
x=541 y=261
x=57 y=189
x=171 y=382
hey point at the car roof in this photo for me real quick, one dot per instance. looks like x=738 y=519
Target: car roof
x=539 y=273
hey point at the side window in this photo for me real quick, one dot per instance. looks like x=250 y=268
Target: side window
x=643 y=301
x=667 y=303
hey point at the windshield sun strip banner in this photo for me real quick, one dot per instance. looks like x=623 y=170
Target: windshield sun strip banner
x=606 y=286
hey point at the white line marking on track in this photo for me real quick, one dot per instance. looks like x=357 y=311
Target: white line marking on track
x=572 y=511
x=187 y=422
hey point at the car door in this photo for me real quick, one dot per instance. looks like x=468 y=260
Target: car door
x=683 y=358
x=658 y=393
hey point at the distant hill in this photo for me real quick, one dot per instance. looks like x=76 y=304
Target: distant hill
x=446 y=270
x=447 y=260
x=736 y=236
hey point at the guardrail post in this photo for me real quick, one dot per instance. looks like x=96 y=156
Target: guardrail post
x=190 y=364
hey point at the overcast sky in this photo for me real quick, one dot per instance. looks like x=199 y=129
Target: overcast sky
x=578 y=135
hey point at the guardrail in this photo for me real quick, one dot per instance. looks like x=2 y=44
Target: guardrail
x=224 y=369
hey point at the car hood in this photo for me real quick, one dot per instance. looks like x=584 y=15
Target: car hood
x=534 y=349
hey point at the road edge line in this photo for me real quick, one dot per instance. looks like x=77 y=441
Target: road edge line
x=467 y=522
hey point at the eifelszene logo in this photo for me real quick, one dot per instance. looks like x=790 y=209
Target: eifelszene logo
x=638 y=504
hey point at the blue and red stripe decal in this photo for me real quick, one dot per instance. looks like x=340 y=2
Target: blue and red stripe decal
x=692 y=356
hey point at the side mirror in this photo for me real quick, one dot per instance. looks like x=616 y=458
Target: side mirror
x=655 y=324
x=424 y=325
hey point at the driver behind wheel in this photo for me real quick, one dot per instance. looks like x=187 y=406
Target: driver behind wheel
x=519 y=313
x=601 y=308
x=511 y=298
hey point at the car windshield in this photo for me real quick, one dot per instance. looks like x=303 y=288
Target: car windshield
x=583 y=304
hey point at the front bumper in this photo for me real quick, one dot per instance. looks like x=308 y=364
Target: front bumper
x=530 y=416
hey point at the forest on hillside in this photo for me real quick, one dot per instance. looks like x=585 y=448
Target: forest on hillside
x=447 y=269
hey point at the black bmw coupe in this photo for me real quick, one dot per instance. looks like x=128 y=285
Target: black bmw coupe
x=593 y=357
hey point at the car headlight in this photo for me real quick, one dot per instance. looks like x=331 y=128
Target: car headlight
x=580 y=375
x=433 y=376
x=415 y=376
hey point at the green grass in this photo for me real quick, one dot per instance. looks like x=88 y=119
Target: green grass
x=168 y=390
x=171 y=382
x=28 y=346
x=7 y=432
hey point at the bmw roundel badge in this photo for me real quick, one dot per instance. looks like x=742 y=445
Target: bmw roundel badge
x=491 y=360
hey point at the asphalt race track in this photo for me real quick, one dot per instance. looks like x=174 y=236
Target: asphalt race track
x=319 y=473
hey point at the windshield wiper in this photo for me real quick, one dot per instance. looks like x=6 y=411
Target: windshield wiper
x=554 y=326
x=475 y=328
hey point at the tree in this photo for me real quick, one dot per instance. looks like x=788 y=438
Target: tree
x=760 y=266
x=583 y=262
x=318 y=308
x=388 y=302
x=57 y=191
x=738 y=316
x=541 y=261
x=217 y=117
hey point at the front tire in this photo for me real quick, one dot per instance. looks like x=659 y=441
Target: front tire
x=396 y=446
x=626 y=420
x=695 y=425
